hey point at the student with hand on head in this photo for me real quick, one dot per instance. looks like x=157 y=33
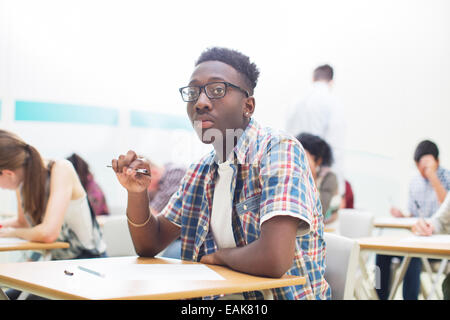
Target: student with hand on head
x=439 y=223
x=250 y=204
x=51 y=202
x=427 y=191
x=320 y=158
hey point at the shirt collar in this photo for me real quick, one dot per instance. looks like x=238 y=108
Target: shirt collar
x=240 y=152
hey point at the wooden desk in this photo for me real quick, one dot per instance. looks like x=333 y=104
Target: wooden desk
x=398 y=246
x=47 y=279
x=392 y=222
x=29 y=245
x=38 y=246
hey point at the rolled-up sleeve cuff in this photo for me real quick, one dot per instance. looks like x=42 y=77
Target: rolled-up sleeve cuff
x=303 y=228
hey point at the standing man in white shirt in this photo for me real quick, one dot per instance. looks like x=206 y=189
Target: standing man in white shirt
x=321 y=114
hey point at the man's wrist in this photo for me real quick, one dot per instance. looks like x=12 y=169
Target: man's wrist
x=138 y=195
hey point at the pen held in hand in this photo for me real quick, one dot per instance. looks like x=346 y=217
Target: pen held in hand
x=140 y=171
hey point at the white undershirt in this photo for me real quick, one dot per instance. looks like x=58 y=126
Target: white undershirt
x=221 y=225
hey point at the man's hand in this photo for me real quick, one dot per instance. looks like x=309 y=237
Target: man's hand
x=397 y=213
x=212 y=258
x=429 y=165
x=125 y=169
x=422 y=228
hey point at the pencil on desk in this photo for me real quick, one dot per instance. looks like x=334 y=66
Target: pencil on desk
x=91 y=271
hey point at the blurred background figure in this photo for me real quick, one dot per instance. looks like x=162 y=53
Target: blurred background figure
x=95 y=194
x=348 y=199
x=321 y=114
x=320 y=158
x=166 y=180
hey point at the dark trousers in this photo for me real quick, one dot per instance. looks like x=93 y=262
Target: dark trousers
x=411 y=281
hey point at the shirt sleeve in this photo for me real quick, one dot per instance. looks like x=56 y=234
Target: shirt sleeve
x=287 y=186
x=441 y=219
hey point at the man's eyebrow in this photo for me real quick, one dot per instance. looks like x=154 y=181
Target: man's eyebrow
x=212 y=79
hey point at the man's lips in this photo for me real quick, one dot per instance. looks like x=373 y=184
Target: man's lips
x=207 y=124
x=203 y=123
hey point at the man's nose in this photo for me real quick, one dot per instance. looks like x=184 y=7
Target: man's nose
x=203 y=103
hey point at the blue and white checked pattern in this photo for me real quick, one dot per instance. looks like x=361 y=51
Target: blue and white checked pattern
x=271 y=177
x=421 y=190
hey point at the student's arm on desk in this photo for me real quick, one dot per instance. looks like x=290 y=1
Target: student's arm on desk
x=61 y=192
x=271 y=255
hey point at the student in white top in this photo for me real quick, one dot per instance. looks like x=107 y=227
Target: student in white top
x=51 y=202
x=320 y=113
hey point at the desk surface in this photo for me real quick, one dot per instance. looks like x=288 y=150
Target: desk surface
x=48 y=279
x=392 y=222
x=405 y=244
x=28 y=245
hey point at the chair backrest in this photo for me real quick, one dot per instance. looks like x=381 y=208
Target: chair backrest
x=117 y=237
x=341 y=264
x=355 y=223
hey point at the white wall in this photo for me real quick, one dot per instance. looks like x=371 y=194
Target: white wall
x=391 y=59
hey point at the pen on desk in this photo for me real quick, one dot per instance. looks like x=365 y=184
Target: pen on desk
x=141 y=171
x=418 y=209
x=91 y=271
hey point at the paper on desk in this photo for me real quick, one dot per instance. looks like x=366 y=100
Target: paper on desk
x=438 y=238
x=157 y=272
x=11 y=240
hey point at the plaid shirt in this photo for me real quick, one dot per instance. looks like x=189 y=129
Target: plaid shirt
x=422 y=192
x=271 y=178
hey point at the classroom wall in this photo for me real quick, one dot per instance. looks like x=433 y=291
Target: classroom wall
x=125 y=60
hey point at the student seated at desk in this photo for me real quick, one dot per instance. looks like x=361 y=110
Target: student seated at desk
x=95 y=195
x=250 y=204
x=320 y=158
x=52 y=204
x=440 y=223
x=427 y=190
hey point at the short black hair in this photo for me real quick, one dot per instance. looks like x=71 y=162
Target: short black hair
x=235 y=59
x=317 y=147
x=426 y=147
x=324 y=72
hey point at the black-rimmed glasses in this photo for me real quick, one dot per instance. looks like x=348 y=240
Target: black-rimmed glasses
x=213 y=90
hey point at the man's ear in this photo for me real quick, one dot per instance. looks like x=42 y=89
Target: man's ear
x=249 y=107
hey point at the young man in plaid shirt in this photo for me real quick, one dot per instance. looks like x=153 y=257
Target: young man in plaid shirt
x=251 y=204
